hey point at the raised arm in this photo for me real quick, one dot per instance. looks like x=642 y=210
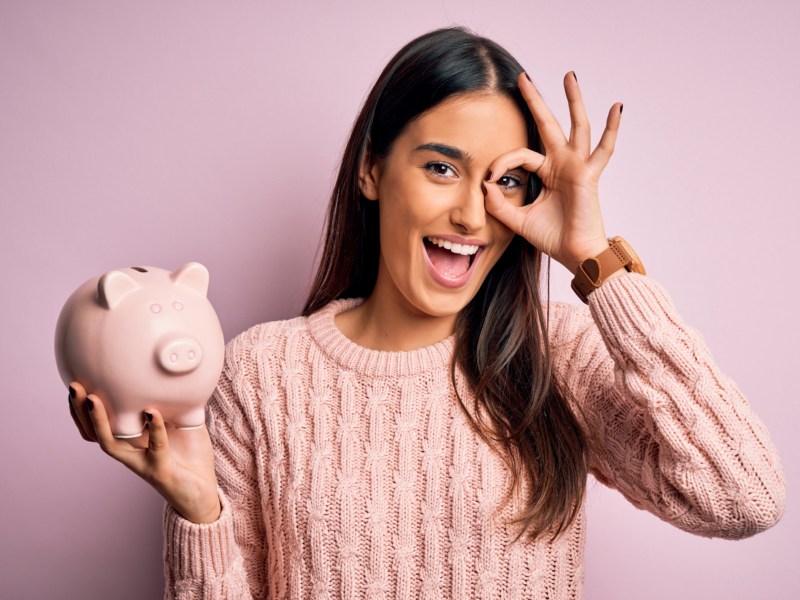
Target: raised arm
x=665 y=426
x=225 y=559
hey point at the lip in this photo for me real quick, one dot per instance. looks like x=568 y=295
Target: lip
x=461 y=280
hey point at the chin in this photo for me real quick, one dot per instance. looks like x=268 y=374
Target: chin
x=444 y=304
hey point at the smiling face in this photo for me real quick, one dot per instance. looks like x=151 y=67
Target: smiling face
x=438 y=243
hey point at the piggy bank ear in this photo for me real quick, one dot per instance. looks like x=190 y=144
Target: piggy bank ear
x=192 y=274
x=113 y=287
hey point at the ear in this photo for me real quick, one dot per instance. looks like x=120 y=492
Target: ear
x=192 y=274
x=113 y=287
x=369 y=175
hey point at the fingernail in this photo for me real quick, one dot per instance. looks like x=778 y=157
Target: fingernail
x=528 y=76
x=575 y=76
x=89 y=404
x=489 y=176
x=71 y=393
x=148 y=416
x=620 y=108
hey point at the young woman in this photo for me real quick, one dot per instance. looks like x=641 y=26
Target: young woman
x=425 y=429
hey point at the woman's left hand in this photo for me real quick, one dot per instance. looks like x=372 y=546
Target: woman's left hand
x=564 y=221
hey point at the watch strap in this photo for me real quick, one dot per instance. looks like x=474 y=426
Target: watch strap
x=592 y=272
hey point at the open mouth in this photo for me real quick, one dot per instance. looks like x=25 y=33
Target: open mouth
x=450 y=263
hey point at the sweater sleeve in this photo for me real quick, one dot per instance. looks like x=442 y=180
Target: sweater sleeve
x=664 y=425
x=223 y=560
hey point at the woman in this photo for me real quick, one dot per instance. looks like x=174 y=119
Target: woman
x=425 y=429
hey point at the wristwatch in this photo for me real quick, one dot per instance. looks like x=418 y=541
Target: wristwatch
x=592 y=272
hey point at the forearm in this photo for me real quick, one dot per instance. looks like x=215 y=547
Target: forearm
x=221 y=556
x=665 y=425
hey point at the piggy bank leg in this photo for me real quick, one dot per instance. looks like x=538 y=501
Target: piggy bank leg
x=192 y=419
x=128 y=426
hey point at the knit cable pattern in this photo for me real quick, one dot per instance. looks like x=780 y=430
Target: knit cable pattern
x=347 y=472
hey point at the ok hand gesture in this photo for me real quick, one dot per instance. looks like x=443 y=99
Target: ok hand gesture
x=564 y=221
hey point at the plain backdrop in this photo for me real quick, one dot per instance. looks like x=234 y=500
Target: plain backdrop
x=158 y=133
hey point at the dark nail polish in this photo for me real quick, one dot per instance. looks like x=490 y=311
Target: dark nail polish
x=148 y=416
x=620 y=108
x=89 y=404
x=71 y=393
x=528 y=76
x=489 y=176
x=575 y=76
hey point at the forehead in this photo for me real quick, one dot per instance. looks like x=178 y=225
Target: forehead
x=479 y=123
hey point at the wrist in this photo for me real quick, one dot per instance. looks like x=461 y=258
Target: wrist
x=589 y=251
x=613 y=261
x=202 y=515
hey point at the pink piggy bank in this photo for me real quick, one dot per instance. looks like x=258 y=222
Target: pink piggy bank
x=143 y=337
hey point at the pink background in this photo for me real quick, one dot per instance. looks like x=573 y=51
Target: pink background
x=163 y=132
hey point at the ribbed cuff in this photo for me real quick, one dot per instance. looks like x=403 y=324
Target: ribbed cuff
x=199 y=550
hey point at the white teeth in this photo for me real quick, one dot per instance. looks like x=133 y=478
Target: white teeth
x=466 y=249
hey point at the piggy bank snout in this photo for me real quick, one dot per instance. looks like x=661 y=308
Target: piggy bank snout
x=179 y=354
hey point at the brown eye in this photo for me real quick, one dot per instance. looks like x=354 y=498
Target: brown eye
x=440 y=169
x=508 y=182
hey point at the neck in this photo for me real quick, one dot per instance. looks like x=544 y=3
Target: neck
x=380 y=323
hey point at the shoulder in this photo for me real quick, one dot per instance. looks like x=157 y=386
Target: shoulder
x=273 y=339
x=254 y=358
x=264 y=336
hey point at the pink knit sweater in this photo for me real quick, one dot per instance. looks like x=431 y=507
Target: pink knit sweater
x=347 y=472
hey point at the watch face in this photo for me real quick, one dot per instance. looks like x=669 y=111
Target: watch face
x=636 y=266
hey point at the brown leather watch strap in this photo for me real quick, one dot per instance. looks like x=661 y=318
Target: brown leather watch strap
x=592 y=272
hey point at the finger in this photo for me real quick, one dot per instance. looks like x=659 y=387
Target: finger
x=81 y=410
x=549 y=129
x=605 y=147
x=501 y=209
x=580 y=135
x=77 y=421
x=528 y=159
x=158 y=441
x=102 y=428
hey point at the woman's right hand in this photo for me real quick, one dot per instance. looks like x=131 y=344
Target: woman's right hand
x=179 y=466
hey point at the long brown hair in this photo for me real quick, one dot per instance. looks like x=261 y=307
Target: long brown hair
x=501 y=335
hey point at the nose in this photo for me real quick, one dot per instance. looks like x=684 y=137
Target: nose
x=179 y=354
x=469 y=211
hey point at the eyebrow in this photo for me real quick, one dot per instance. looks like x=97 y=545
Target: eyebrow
x=449 y=151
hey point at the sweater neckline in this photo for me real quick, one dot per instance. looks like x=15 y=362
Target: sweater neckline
x=368 y=361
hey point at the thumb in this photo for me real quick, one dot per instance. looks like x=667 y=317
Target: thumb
x=501 y=209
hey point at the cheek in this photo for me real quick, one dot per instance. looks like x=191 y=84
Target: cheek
x=502 y=234
x=398 y=230
x=503 y=237
x=518 y=199
x=406 y=209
